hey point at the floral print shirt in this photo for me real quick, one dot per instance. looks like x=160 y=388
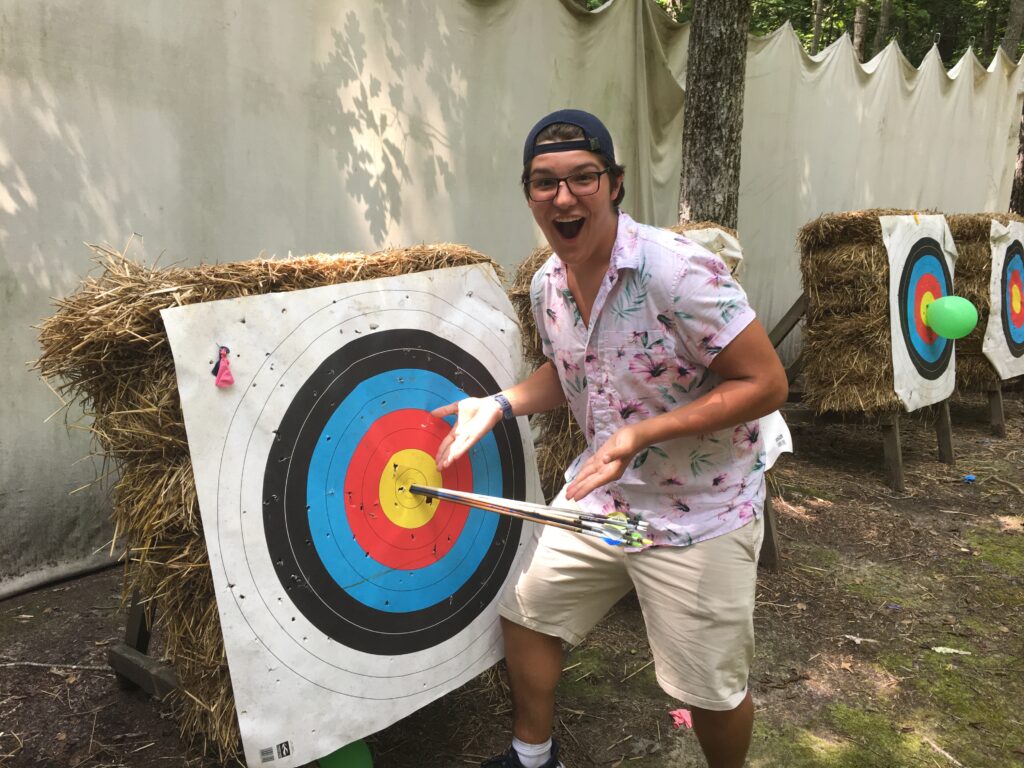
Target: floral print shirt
x=666 y=307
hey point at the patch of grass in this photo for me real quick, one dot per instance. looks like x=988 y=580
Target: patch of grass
x=797 y=492
x=846 y=737
x=877 y=583
x=588 y=675
x=967 y=703
x=813 y=555
x=1000 y=550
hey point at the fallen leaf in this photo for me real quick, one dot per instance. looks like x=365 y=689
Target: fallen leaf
x=801 y=606
x=846 y=665
x=61 y=736
x=71 y=679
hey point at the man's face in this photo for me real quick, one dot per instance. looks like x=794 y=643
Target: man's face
x=580 y=230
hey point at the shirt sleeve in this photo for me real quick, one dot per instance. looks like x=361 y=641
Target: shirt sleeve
x=710 y=304
x=537 y=293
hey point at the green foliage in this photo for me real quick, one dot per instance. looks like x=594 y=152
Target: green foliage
x=952 y=25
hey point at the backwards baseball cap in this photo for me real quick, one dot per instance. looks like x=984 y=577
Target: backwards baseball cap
x=596 y=136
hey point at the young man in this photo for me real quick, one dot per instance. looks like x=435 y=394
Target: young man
x=666 y=369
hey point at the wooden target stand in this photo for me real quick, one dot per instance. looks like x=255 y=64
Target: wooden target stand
x=132 y=665
x=889 y=421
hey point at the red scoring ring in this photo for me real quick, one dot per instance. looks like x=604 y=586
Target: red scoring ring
x=390 y=544
x=927 y=283
x=1016 y=318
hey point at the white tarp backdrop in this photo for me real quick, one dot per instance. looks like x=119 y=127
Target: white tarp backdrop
x=218 y=129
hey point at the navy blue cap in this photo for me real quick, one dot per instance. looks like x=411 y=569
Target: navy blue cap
x=596 y=136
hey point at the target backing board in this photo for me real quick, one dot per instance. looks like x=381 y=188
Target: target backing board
x=1004 y=334
x=346 y=602
x=921 y=258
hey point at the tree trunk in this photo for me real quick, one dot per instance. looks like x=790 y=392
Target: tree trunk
x=1014 y=25
x=860 y=25
x=1017 y=191
x=882 y=33
x=713 y=121
x=988 y=33
x=816 y=40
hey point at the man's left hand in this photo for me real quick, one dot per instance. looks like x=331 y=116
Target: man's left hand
x=608 y=463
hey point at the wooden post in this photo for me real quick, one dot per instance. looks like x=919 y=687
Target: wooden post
x=769 y=557
x=788 y=322
x=890 y=423
x=944 y=433
x=996 y=414
x=134 y=669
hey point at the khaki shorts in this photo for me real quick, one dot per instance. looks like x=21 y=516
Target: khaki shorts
x=697 y=602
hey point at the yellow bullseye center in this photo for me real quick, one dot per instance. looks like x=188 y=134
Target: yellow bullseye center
x=1016 y=300
x=926 y=300
x=402 y=507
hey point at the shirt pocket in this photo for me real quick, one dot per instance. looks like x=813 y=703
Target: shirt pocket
x=640 y=367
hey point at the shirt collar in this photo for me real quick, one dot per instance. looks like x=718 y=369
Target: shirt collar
x=625 y=251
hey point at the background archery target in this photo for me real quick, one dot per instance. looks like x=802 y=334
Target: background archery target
x=1004 y=334
x=341 y=595
x=925 y=278
x=921 y=256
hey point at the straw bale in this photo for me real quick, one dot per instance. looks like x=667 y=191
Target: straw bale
x=106 y=348
x=847 y=348
x=971 y=233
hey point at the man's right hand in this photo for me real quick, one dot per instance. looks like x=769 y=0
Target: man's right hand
x=476 y=417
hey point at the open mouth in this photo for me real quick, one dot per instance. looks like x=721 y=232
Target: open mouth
x=569 y=229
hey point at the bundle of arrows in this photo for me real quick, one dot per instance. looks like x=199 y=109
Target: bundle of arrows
x=617 y=529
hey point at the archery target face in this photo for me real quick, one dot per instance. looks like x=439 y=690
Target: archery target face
x=341 y=594
x=921 y=256
x=1004 y=334
x=925 y=278
x=1012 y=316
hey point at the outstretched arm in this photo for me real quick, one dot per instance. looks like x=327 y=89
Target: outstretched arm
x=754 y=384
x=540 y=391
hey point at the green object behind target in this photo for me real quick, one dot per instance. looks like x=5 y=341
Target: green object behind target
x=952 y=317
x=354 y=755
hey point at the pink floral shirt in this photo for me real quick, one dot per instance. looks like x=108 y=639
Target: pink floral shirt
x=666 y=307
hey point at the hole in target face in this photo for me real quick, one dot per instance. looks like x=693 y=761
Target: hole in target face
x=367 y=562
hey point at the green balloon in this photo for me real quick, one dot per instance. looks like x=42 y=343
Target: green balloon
x=952 y=317
x=354 y=755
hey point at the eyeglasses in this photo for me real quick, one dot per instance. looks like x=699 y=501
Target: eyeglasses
x=580 y=184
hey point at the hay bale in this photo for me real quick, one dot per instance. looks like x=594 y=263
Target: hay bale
x=971 y=231
x=106 y=348
x=847 y=346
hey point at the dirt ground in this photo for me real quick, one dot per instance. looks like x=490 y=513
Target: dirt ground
x=890 y=636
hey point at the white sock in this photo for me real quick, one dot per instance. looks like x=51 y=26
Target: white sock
x=532 y=755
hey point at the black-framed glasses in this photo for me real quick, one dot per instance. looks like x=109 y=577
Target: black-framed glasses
x=580 y=184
